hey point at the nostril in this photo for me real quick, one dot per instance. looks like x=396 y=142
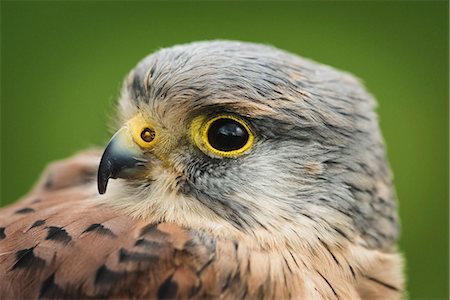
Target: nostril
x=148 y=135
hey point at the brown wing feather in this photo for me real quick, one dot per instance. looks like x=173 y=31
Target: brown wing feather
x=58 y=243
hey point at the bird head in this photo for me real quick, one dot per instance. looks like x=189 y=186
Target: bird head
x=234 y=138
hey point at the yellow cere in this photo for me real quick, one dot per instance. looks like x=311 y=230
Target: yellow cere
x=141 y=129
x=199 y=134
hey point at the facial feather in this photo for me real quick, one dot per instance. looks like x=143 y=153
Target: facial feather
x=318 y=150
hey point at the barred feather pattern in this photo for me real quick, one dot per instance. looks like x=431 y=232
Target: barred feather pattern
x=57 y=242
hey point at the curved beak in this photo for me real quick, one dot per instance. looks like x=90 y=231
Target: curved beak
x=122 y=158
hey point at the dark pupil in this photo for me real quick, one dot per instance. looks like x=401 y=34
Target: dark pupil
x=227 y=135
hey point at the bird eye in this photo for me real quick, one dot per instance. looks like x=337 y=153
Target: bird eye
x=225 y=136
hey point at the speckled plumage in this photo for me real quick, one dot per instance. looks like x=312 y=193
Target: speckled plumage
x=309 y=212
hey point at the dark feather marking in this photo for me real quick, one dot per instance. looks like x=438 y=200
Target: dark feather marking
x=226 y=284
x=386 y=285
x=25 y=210
x=354 y=188
x=308 y=216
x=58 y=234
x=147 y=244
x=2 y=233
x=126 y=256
x=205 y=265
x=49 y=288
x=137 y=88
x=153 y=230
x=236 y=246
x=329 y=251
x=106 y=276
x=194 y=290
x=341 y=233
x=237 y=223
x=331 y=287
x=351 y=270
x=261 y=291
x=37 y=224
x=260 y=224
x=295 y=261
x=100 y=229
x=327 y=203
x=191 y=245
x=341 y=211
x=25 y=258
x=168 y=290
x=287 y=265
x=152 y=70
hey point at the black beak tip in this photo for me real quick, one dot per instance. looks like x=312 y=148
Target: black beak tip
x=103 y=175
x=101 y=188
x=102 y=183
x=118 y=161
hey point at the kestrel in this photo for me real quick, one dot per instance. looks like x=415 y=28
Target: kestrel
x=239 y=171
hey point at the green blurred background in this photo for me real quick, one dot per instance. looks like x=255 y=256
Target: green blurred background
x=62 y=64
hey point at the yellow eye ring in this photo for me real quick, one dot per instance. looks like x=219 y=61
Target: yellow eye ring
x=222 y=135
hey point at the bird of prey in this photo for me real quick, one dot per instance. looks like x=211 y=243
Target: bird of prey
x=238 y=171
